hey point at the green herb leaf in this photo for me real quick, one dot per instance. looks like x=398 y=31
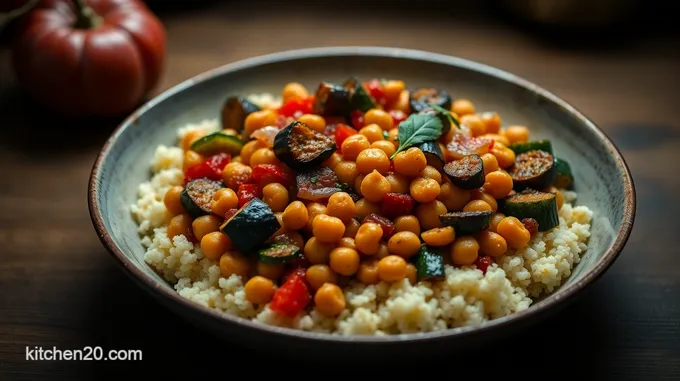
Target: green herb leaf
x=342 y=186
x=386 y=135
x=314 y=179
x=446 y=113
x=417 y=129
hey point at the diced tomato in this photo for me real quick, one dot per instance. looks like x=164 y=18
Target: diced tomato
x=398 y=116
x=283 y=121
x=376 y=91
x=357 y=119
x=271 y=173
x=397 y=204
x=386 y=225
x=483 y=263
x=210 y=168
x=342 y=132
x=247 y=192
x=230 y=213
x=293 y=295
x=531 y=225
x=297 y=107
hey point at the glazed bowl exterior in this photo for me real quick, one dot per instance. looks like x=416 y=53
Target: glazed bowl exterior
x=602 y=179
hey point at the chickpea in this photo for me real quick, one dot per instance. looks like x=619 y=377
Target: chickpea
x=431 y=172
x=428 y=214
x=410 y=162
x=215 y=244
x=491 y=244
x=407 y=224
x=223 y=200
x=504 y=155
x=383 y=251
x=368 y=272
x=172 y=200
x=393 y=90
x=270 y=270
x=559 y=197
x=328 y=229
x=514 y=232
x=498 y=184
x=332 y=161
x=342 y=206
x=453 y=197
x=379 y=117
x=495 y=219
x=398 y=183
x=393 y=136
x=424 y=190
x=496 y=138
x=365 y=207
x=372 y=132
x=250 y=148
x=258 y=119
x=234 y=174
x=346 y=171
x=392 y=268
x=404 y=244
x=516 y=134
x=347 y=242
x=402 y=104
x=181 y=225
x=353 y=145
x=368 y=238
x=295 y=216
x=411 y=273
x=317 y=252
x=234 y=263
x=474 y=123
x=263 y=156
x=492 y=122
x=344 y=261
x=259 y=290
x=191 y=158
x=373 y=159
x=462 y=107
x=477 y=206
x=439 y=236
x=478 y=194
x=313 y=210
x=374 y=186
x=318 y=275
x=276 y=196
x=313 y=121
x=329 y=300
x=464 y=251
x=357 y=183
x=205 y=224
x=294 y=90
x=236 y=159
x=190 y=138
x=385 y=146
x=351 y=228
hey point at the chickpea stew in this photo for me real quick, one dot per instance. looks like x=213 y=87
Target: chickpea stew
x=360 y=184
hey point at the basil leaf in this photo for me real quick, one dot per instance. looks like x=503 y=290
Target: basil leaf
x=417 y=129
x=446 y=113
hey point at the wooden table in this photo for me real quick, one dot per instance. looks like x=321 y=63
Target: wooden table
x=59 y=287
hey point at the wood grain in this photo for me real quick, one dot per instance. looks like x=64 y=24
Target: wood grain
x=59 y=287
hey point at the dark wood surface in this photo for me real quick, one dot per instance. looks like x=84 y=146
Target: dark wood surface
x=59 y=287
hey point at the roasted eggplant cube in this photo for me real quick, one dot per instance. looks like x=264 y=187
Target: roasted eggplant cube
x=533 y=170
x=235 y=110
x=301 y=148
x=331 y=100
x=251 y=226
x=421 y=99
x=197 y=196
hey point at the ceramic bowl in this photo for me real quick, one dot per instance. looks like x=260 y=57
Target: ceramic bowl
x=603 y=181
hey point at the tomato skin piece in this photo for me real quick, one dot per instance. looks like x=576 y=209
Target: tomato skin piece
x=342 y=132
x=357 y=119
x=397 y=204
x=376 y=91
x=293 y=296
x=297 y=107
x=483 y=263
x=247 y=192
x=210 y=168
x=398 y=116
x=386 y=225
x=271 y=172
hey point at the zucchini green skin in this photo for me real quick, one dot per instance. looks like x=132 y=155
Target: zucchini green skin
x=279 y=253
x=235 y=110
x=467 y=223
x=541 y=145
x=331 y=100
x=430 y=264
x=359 y=98
x=217 y=142
x=197 y=196
x=251 y=226
x=466 y=173
x=286 y=142
x=433 y=153
x=564 y=179
x=540 y=206
x=420 y=99
x=542 y=165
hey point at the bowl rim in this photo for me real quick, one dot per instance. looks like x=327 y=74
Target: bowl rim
x=551 y=301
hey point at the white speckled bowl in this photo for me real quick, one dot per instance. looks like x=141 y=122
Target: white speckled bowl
x=603 y=181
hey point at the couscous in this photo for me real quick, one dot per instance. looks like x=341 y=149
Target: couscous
x=364 y=208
